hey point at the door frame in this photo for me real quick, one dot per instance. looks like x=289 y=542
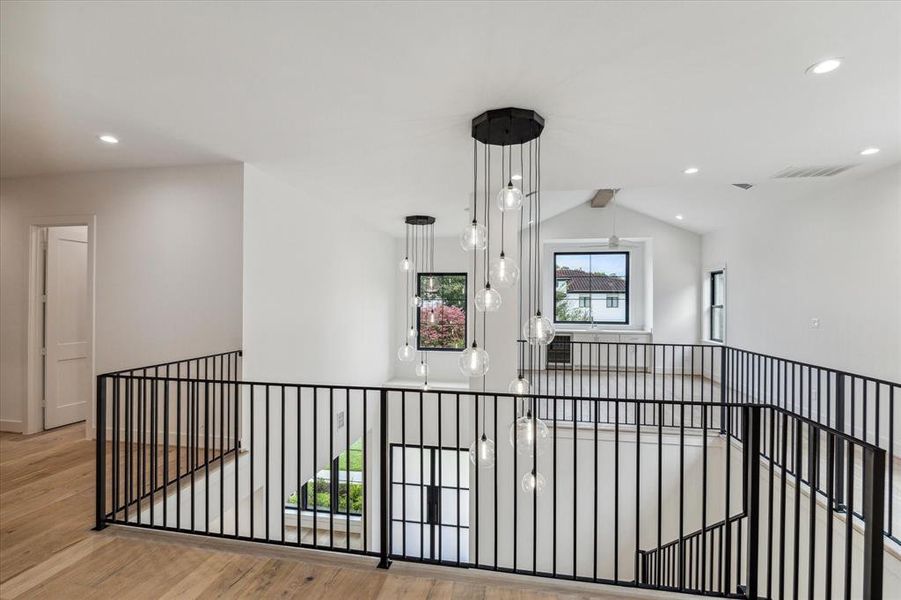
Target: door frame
x=34 y=418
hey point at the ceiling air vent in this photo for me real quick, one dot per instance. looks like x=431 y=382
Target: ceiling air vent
x=744 y=186
x=819 y=171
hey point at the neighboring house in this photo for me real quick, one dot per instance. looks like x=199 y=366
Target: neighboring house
x=590 y=297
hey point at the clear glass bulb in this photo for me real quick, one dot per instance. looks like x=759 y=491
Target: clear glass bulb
x=415 y=301
x=528 y=433
x=433 y=317
x=411 y=333
x=532 y=481
x=473 y=361
x=425 y=386
x=431 y=284
x=519 y=386
x=474 y=237
x=406 y=353
x=405 y=264
x=504 y=272
x=481 y=453
x=509 y=198
x=422 y=370
x=488 y=299
x=538 y=330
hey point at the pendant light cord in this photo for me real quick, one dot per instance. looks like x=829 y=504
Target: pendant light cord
x=503 y=212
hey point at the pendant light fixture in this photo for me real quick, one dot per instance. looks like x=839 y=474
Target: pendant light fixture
x=511 y=130
x=419 y=257
x=482 y=453
x=533 y=481
x=529 y=434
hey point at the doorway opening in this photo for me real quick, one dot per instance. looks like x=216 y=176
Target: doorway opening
x=61 y=361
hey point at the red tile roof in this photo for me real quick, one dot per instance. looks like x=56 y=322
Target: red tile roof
x=578 y=281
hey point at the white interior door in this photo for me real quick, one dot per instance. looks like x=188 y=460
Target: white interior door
x=67 y=375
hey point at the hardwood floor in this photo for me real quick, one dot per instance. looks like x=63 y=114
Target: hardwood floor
x=48 y=550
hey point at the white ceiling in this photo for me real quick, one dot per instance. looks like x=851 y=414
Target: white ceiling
x=367 y=106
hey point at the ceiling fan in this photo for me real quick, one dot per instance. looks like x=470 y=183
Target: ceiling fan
x=604 y=199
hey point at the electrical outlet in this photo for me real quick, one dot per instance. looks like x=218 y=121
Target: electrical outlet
x=815 y=323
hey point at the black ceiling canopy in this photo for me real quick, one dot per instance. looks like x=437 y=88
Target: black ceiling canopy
x=419 y=220
x=507 y=126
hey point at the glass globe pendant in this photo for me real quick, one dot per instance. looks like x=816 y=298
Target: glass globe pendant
x=538 y=330
x=509 y=198
x=431 y=284
x=488 y=299
x=411 y=333
x=504 y=272
x=474 y=237
x=433 y=317
x=422 y=369
x=473 y=361
x=405 y=264
x=519 y=386
x=481 y=453
x=416 y=301
x=405 y=353
x=528 y=433
x=532 y=481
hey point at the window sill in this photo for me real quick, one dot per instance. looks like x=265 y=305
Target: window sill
x=323 y=520
x=563 y=328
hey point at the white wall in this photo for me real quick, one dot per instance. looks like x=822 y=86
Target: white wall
x=318 y=289
x=167 y=273
x=834 y=256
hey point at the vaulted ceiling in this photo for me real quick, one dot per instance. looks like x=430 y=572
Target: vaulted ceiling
x=367 y=106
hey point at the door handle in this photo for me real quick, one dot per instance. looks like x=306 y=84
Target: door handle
x=433 y=504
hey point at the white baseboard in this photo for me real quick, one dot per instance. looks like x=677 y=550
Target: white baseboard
x=12 y=426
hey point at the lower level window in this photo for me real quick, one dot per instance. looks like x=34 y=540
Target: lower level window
x=338 y=489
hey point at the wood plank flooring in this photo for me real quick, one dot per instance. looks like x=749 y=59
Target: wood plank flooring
x=48 y=550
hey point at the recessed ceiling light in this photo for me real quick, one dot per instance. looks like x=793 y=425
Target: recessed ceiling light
x=869 y=151
x=108 y=139
x=679 y=217
x=824 y=66
x=690 y=170
x=516 y=178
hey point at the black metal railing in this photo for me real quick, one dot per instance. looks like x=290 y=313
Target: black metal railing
x=863 y=407
x=625 y=491
x=696 y=561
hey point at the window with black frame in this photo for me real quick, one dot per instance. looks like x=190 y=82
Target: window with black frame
x=717 y=306
x=591 y=287
x=441 y=319
x=338 y=489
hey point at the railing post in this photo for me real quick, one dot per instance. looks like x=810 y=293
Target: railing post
x=840 y=448
x=874 y=518
x=384 y=482
x=751 y=496
x=100 y=435
x=723 y=386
